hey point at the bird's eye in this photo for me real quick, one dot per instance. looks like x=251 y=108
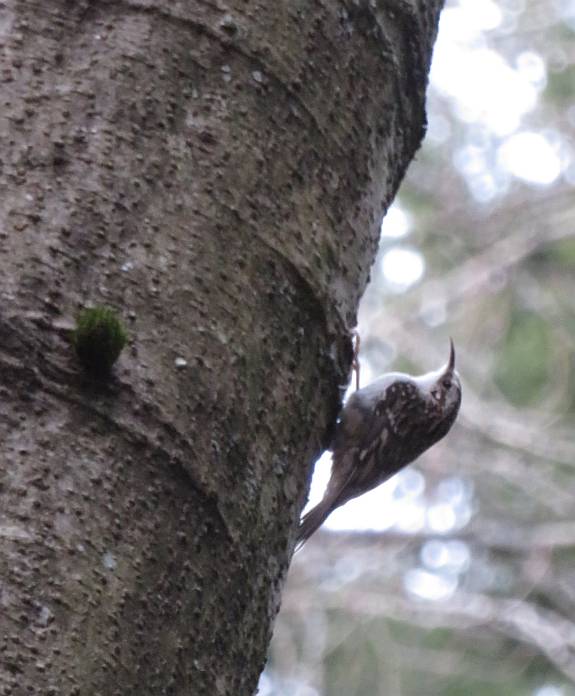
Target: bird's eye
x=446 y=383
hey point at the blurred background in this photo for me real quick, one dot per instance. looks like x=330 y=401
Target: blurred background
x=457 y=577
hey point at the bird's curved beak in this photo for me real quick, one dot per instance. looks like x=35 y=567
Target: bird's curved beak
x=451 y=363
x=440 y=389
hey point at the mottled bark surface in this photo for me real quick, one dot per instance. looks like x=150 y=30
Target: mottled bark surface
x=217 y=172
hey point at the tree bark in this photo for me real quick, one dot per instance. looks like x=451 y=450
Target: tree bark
x=217 y=173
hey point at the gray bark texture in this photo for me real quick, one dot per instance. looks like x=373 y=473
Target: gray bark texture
x=217 y=172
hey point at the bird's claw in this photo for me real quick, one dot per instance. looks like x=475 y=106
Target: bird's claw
x=355 y=361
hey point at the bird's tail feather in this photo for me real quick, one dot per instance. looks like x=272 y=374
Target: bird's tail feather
x=312 y=520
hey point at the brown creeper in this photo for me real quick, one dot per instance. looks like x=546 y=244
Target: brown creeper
x=382 y=428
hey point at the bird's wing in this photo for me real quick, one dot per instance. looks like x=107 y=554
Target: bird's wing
x=357 y=467
x=361 y=434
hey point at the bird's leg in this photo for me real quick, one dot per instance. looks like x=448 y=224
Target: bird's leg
x=355 y=362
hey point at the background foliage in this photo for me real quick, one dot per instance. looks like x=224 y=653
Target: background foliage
x=458 y=576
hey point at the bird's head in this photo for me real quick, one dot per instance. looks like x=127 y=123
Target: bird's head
x=443 y=386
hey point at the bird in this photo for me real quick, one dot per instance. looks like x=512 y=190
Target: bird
x=382 y=428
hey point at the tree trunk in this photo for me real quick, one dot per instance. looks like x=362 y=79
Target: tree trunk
x=218 y=175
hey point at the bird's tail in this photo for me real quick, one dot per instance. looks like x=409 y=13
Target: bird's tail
x=312 y=520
